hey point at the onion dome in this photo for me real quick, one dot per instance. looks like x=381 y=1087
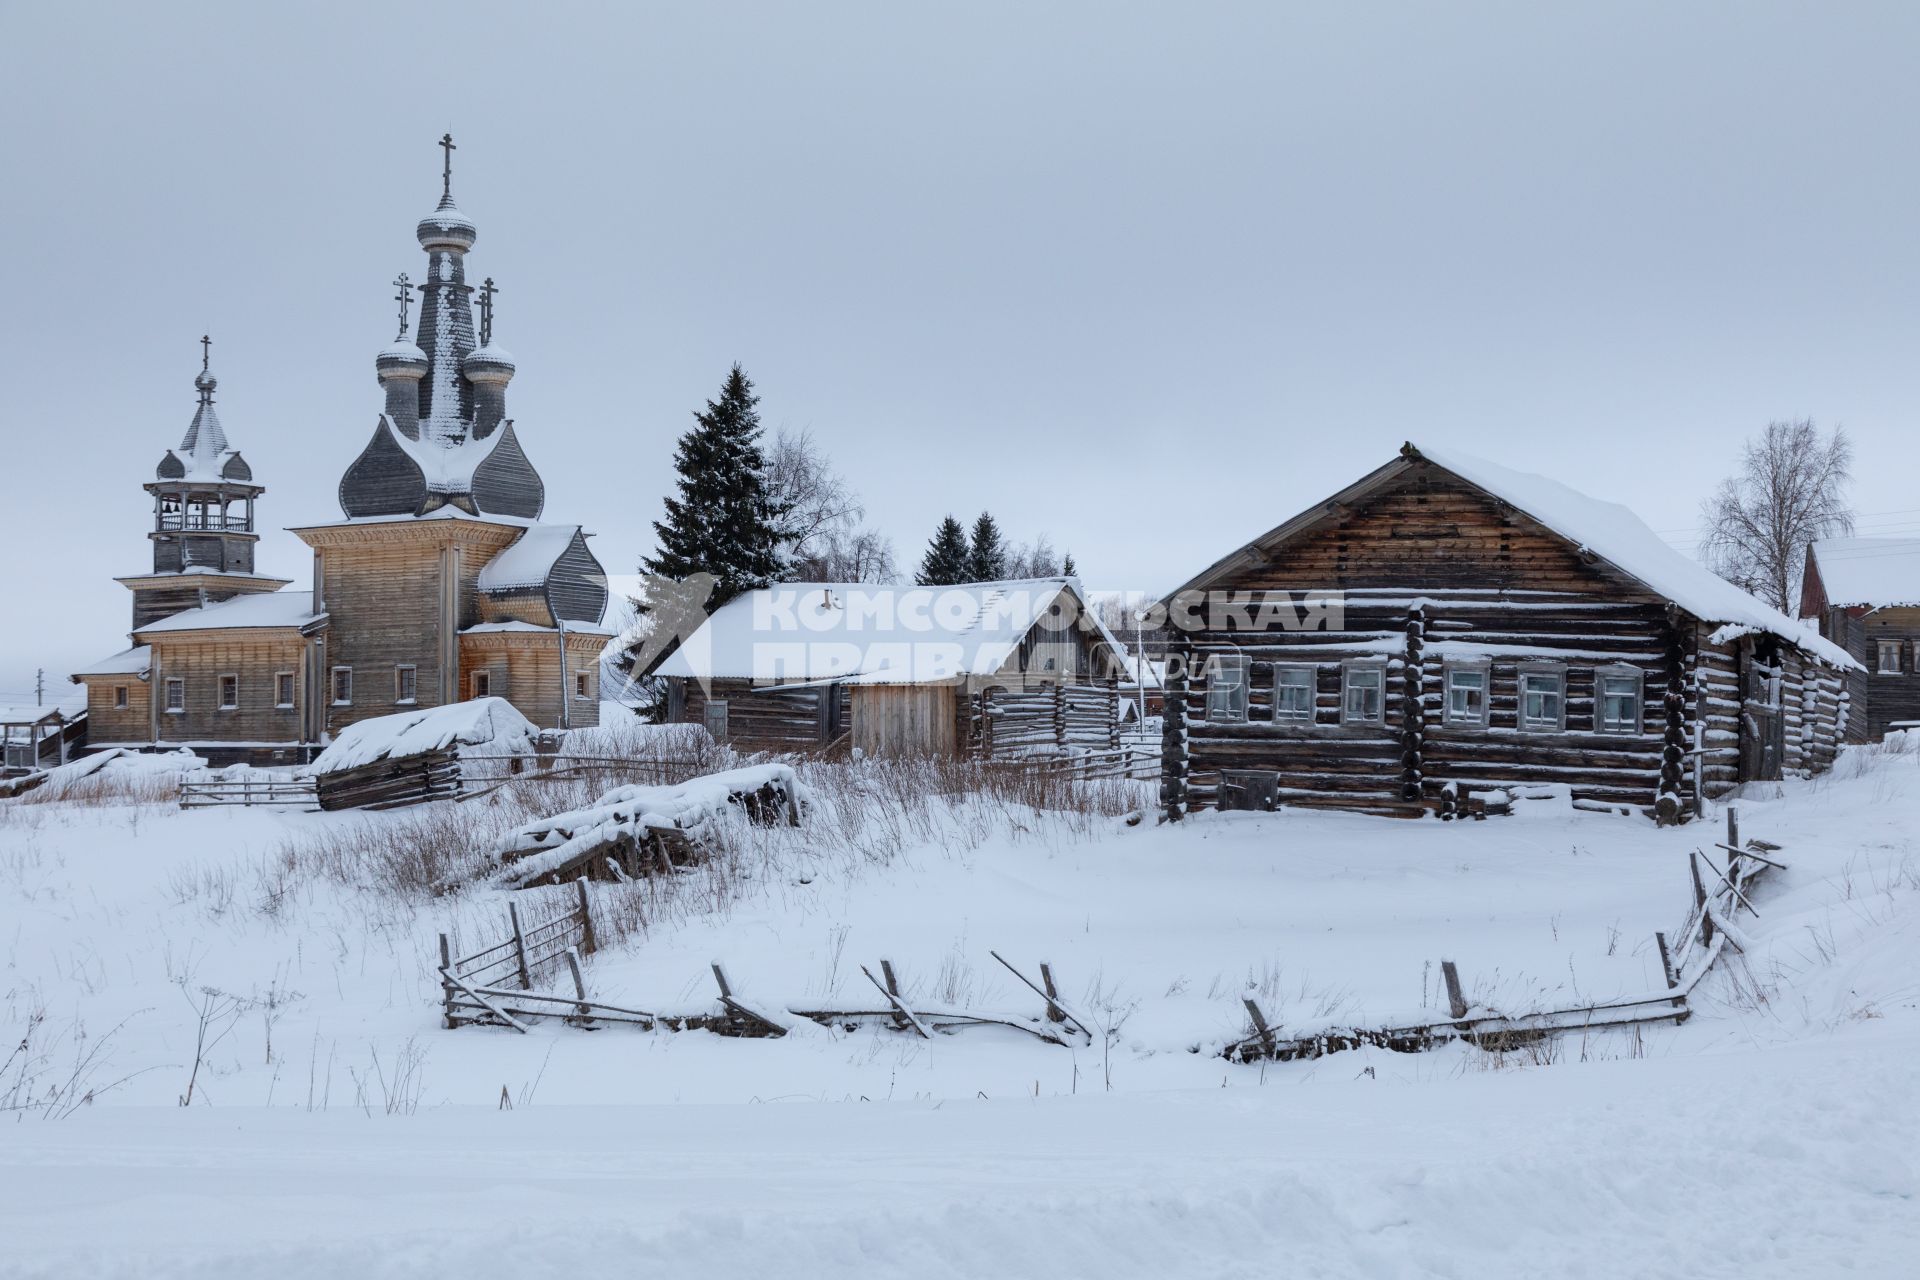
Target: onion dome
x=170 y=468
x=488 y=364
x=402 y=359
x=446 y=228
x=205 y=383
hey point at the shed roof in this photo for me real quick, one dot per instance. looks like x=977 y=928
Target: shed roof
x=861 y=633
x=1608 y=530
x=292 y=609
x=128 y=662
x=31 y=715
x=1879 y=573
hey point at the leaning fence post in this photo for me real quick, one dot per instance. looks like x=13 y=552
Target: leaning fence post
x=520 y=947
x=1456 y=1002
x=1054 y=1011
x=446 y=986
x=579 y=983
x=1260 y=1026
x=1666 y=964
x=1700 y=899
x=1733 y=847
x=588 y=943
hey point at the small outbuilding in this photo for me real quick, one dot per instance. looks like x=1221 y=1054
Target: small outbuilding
x=985 y=669
x=1864 y=594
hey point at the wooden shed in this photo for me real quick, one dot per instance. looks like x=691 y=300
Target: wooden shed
x=35 y=738
x=1864 y=594
x=986 y=669
x=1447 y=625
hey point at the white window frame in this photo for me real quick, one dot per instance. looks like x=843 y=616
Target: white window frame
x=120 y=697
x=172 y=686
x=1886 y=648
x=1227 y=699
x=481 y=683
x=582 y=690
x=1313 y=691
x=1600 y=677
x=333 y=685
x=401 y=697
x=1481 y=671
x=1348 y=671
x=1525 y=724
x=220 y=690
x=291 y=687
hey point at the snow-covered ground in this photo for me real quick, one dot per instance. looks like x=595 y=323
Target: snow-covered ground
x=1771 y=1135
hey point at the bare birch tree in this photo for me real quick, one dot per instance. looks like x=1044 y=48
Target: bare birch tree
x=1790 y=491
x=826 y=540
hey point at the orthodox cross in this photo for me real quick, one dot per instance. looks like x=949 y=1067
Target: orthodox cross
x=487 y=290
x=206 y=351
x=446 y=169
x=403 y=295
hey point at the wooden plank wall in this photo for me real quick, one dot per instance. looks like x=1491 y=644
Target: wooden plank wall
x=200 y=659
x=906 y=720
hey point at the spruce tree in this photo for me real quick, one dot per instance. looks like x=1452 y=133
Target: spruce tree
x=723 y=521
x=945 y=563
x=987 y=556
x=1066 y=567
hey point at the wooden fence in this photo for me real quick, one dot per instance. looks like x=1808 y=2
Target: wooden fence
x=1709 y=930
x=295 y=793
x=495 y=987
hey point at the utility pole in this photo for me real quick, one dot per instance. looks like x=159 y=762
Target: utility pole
x=39 y=686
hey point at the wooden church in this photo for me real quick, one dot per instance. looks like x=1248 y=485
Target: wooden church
x=439 y=583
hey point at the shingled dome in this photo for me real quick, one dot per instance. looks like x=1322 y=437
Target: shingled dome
x=446 y=228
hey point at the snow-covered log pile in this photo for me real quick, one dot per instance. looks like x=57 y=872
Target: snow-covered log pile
x=415 y=756
x=634 y=829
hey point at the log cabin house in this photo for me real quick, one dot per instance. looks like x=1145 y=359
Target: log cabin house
x=983 y=670
x=1864 y=593
x=1471 y=628
x=439 y=584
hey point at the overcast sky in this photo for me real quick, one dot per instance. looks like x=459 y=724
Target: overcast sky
x=1148 y=280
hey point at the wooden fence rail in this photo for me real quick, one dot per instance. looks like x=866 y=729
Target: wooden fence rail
x=1707 y=933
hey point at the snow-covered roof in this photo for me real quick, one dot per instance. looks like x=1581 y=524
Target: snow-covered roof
x=128 y=662
x=530 y=559
x=29 y=715
x=1621 y=538
x=570 y=626
x=1609 y=531
x=483 y=721
x=262 y=609
x=861 y=633
x=1879 y=573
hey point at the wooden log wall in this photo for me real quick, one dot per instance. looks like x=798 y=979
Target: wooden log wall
x=761 y=718
x=1061 y=717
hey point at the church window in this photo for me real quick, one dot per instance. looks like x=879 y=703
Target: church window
x=580 y=687
x=283 y=688
x=343 y=686
x=403 y=682
x=229 y=692
x=119 y=697
x=482 y=684
x=176 y=695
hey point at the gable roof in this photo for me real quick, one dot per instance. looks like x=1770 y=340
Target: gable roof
x=136 y=661
x=1611 y=532
x=1879 y=573
x=861 y=633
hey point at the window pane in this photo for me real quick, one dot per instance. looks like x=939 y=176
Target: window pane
x=1540 y=700
x=1466 y=696
x=1227 y=687
x=1619 y=704
x=1363 y=693
x=1293 y=694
